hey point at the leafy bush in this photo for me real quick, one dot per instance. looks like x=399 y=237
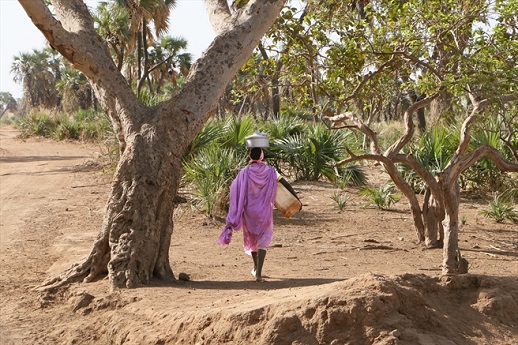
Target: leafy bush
x=484 y=175
x=36 y=124
x=67 y=129
x=235 y=130
x=382 y=197
x=353 y=174
x=80 y=125
x=340 y=198
x=210 y=173
x=208 y=136
x=312 y=153
x=500 y=210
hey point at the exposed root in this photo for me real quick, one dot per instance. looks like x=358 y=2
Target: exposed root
x=87 y=270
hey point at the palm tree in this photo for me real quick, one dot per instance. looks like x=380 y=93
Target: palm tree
x=112 y=24
x=38 y=72
x=142 y=14
x=76 y=92
x=167 y=64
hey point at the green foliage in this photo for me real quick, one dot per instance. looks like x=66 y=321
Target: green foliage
x=283 y=127
x=382 y=197
x=235 y=130
x=81 y=125
x=353 y=174
x=434 y=151
x=210 y=173
x=388 y=132
x=7 y=102
x=340 y=198
x=305 y=150
x=500 y=210
x=312 y=153
x=483 y=174
x=4 y=120
x=213 y=159
x=36 y=124
x=208 y=136
x=38 y=72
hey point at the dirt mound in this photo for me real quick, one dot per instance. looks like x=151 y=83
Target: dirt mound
x=318 y=291
x=369 y=309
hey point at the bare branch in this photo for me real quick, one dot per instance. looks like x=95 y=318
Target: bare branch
x=465 y=135
x=427 y=177
x=409 y=125
x=358 y=124
x=485 y=151
x=400 y=183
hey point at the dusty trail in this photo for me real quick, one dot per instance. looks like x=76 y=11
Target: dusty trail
x=352 y=277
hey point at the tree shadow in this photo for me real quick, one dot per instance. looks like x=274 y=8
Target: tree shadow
x=489 y=251
x=270 y=283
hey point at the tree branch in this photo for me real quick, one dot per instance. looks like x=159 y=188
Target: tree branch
x=400 y=183
x=465 y=135
x=227 y=53
x=219 y=15
x=486 y=151
x=368 y=77
x=409 y=125
x=359 y=125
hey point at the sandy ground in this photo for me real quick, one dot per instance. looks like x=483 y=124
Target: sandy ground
x=350 y=277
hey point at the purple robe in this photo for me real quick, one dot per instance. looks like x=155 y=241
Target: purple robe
x=252 y=195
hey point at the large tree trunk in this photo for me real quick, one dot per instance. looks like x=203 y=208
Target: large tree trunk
x=134 y=242
x=133 y=245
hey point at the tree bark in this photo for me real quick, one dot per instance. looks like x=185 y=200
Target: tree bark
x=133 y=244
x=453 y=263
x=433 y=215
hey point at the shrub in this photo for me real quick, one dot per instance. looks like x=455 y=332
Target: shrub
x=353 y=174
x=340 y=198
x=484 y=175
x=80 y=125
x=500 y=210
x=312 y=153
x=36 y=124
x=382 y=197
x=209 y=174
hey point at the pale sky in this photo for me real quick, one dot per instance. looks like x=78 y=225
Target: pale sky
x=18 y=34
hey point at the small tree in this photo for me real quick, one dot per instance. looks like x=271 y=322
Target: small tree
x=440 y=211
x=426 y=52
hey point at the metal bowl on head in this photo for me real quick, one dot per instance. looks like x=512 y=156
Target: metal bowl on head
x=257 y=139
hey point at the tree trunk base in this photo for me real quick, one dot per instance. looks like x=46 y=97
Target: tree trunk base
x=84 y=271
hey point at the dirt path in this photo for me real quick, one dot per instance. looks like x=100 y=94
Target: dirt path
x=351 y=277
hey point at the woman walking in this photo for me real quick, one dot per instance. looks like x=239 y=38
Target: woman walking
x=252 y=197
